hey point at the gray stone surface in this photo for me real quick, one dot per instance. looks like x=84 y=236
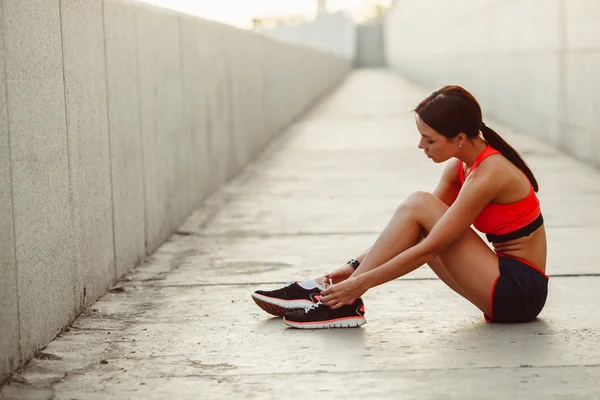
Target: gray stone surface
x=89 y=151
x=196 y=54
x=9 y=316
x=115 y=137
x=219 y=107
x=329 y=33
x=532 y=63
x=126 y=147
x=370 y=45
x=561 y=382
x=582 y=105
x=246 y=89
x=184 y=325
x=40 y=171
x=163 y=132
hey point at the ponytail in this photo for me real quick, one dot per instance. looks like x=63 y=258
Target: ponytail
x=507 y=151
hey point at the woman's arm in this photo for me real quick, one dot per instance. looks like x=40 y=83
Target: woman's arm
x=446 y=190
x=480 y=188
x=449 y=186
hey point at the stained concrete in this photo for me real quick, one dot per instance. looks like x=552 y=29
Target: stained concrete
x=9 y=317
x=89 y=151
x=45 y=251
x=126 y=148
x=184 y=325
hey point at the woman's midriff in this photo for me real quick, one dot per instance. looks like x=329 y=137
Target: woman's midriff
x=531 y=249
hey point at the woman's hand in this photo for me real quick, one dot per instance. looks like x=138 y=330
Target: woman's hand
x=340 y=274
x=342 y=293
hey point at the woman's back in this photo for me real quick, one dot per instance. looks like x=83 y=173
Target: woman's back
x=513 y=219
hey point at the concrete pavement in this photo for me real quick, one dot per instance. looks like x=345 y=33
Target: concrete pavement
x=183 y=325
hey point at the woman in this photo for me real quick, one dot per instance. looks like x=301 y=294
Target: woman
x=485 y=184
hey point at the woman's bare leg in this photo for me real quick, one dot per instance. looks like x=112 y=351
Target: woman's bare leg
x=438 y=267
x=471 y=267
x=436 y=264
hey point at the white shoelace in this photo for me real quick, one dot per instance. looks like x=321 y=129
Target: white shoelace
x=313 y=307
x=318 y=303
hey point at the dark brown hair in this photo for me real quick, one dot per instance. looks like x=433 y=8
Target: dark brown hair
x=452 y=110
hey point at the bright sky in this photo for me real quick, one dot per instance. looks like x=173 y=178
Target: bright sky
x=241 y=12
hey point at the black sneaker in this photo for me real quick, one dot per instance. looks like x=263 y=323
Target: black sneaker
x=289 y=298
x=321 y=316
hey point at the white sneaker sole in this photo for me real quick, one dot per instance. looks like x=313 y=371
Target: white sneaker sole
x=279 y=307
x=341 y=323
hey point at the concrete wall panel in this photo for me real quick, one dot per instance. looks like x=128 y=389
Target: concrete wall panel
x=9 y=314
x=89 y=155
x=582 y=83
x=333 y=34
x=40 y=170
x=193 y=55
x=120 y=119
x=225 y=135
x=217 y=107
x=582 y=30
x=369 y=46
x=126 y=148
x=246 y=94
x=161 y=101
x=532 y=63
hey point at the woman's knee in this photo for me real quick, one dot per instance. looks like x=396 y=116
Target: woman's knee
x=417 y=200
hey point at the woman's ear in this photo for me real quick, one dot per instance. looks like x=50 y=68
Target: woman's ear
x=460 y=139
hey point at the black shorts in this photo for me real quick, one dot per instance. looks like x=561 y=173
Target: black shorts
x=519 y=293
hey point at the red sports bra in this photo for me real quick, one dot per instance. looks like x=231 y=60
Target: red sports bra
x=504 y=222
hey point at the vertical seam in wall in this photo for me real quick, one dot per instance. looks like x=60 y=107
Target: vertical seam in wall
x=110 y=149
x=10 y=174
x=562 y=72
x=140 y=115
x=69 y=170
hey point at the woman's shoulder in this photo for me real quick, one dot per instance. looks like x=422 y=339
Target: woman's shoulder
x=499 y=172
x=452 y=166
x=495 y=168
x=450 y=172
x=495 y=163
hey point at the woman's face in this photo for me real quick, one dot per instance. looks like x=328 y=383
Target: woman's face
x=437 y=147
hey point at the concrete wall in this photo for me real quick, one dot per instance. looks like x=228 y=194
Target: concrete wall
x=329 y=33
x=116 y=121
x=9 y=317
x=370 y=48
x=532 y=63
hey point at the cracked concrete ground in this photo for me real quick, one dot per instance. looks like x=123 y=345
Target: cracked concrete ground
x=184 y=325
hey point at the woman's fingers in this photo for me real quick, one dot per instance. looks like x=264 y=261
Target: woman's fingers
x=337 y=305
x=334 y=301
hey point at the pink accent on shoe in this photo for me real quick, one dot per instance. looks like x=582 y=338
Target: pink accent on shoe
x=323 y=322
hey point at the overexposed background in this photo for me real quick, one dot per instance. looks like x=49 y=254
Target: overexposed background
x=241 y=13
